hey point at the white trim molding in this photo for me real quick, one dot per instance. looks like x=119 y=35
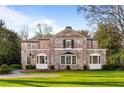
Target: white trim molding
x=68 y=48
x=65 y=59
x=39 y=49
x=95 y=54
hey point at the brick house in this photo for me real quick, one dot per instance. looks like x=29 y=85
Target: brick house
x=66 y=48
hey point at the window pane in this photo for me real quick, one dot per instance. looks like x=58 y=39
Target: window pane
x=95 y=59
x=68 y=43
x=41 y=59
x=90 y=59
x=62 y=59
x=73 y=59
x=68 y=59
x=28 y=60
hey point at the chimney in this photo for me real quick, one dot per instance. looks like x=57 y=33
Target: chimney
x=68 y=27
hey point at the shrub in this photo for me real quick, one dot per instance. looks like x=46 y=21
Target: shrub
x=30 y=67
x=110 y=67
x=4 y=69
x=33 y=67
x=15 y=66
x=68 y=67
x=85 y=67
x=4 y=66
x=52 y=67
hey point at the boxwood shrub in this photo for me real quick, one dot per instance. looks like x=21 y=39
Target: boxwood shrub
x=4 y=66
x=85 y=67
x=30 y=67
x=68 y=67
x=52 y=67
x=4 y=69
x=15 y=66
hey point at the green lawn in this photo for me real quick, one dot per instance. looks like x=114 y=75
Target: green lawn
x=70 y=79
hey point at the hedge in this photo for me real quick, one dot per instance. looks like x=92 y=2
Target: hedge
x=4 y=69
x=15 y=66
x=30 y=67
x=110 y=67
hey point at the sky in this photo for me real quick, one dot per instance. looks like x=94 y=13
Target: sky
x=59 y=16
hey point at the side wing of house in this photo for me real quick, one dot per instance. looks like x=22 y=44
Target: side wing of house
x=96 y=57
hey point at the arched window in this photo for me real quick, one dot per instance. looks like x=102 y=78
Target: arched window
x=95 y=58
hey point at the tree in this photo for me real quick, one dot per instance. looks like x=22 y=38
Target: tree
x=104 y=14
x=122 y=58
x=9 y=46
x=2 y=24
x=44 y=30
x=110 y=39
x=24 y=32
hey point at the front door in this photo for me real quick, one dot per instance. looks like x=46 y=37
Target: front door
x=41 y=62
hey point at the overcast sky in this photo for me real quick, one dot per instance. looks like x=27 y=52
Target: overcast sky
x=58 y=16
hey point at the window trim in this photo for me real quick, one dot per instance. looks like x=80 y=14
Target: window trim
x=72 y=43
x=45 y=58
x=65 y=59
x=98 y=59
x=30 y=60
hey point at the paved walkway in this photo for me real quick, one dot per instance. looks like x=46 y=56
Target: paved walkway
x=18 y=74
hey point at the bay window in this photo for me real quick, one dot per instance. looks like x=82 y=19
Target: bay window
x=94 y=59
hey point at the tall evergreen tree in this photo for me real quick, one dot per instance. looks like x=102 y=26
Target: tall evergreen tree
x=9 y=46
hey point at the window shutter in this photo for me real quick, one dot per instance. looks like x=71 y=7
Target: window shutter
x=64 y=43
x=72 y=43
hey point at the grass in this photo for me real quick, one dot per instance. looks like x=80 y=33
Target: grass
x=70 y=79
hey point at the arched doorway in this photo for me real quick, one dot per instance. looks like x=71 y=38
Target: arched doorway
x=41 y=61
x=95 y=61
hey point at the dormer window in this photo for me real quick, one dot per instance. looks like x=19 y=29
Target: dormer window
x=68 y=43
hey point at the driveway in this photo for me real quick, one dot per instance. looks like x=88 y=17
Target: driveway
x=19 y=74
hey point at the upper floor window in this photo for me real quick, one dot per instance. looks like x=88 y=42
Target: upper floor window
x=28 y=45
x=68 y=43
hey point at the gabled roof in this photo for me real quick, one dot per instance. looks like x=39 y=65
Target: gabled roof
x=68 y=31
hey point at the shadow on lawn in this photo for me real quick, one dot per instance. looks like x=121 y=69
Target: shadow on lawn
x=47 y=83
